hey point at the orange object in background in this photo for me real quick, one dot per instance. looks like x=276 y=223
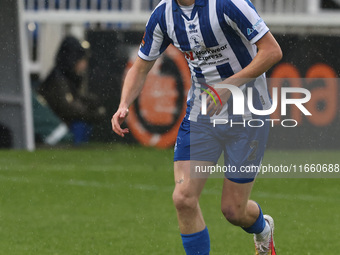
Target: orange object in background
x=161 y=105
x=326 y=93
x=157 y=102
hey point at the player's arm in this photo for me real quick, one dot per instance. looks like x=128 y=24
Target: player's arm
x=132 y=86
x=269 y=53
x=241 y=16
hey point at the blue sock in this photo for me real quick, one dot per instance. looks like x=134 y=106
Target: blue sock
x=197 y=243
x=258 y=226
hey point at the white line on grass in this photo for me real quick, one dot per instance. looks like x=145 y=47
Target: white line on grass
x=145 y=187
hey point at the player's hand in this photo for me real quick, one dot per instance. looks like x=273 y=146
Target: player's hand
x=213 y=108
x=117 y=119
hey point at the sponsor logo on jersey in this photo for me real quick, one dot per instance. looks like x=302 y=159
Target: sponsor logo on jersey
x=206 y=54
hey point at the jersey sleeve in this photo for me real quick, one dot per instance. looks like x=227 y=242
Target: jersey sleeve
x=242 y=16
x=155 y=40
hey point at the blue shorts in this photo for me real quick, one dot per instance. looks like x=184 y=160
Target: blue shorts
x=243 y=146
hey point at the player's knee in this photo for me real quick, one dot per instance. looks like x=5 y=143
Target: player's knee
x=233 y=214
x=184 y=200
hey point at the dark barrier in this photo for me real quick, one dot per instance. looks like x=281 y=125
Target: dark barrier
x=12 y=107
x=110 y=53
x=309 y=57
x=154 y=121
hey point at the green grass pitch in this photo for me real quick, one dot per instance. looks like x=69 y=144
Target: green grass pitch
x=117 y=200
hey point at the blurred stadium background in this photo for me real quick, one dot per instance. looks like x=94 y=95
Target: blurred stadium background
x=113 y=196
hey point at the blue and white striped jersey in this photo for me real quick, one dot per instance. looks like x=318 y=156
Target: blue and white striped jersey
x=218 y=40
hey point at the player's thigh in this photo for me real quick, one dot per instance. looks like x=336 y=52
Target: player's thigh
x=236 y=194
x=187 y=183
x=244 y=152
x=197 y=142
x=195 y=147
